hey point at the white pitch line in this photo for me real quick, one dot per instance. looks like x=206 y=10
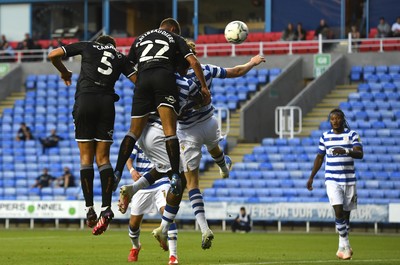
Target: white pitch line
x=308 y=262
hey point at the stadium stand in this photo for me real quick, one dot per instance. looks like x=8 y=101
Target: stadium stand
x=278 y=169
x=48 y=104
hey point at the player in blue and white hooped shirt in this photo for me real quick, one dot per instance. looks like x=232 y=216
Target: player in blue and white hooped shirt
x=198 y=127
x=341 y=146
x=152 y=143
x=147 y=201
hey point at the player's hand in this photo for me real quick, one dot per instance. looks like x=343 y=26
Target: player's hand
x=135 y=175
x=206 y=96
x=338 y=151
x=309 y=184
x=256 y=60
x=66 y=76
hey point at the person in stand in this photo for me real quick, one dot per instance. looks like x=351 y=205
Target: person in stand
x=289 y=34
x=50 y=141
x=94 y=115
x=341 y=146
x=66 y=180
x=242 y=221
x=24 y=133
x=300 y=33
x=383 y=28
x=44 y=180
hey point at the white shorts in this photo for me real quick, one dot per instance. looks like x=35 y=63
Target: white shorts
x=152 y=142
x=149 y=201
x=342 y=194
x=192 y=139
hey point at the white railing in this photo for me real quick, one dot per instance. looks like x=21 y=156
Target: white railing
x=248 y=48
x=285 y=121
x=220 y=112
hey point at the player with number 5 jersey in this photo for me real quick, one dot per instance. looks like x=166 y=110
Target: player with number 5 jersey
x=94 y=115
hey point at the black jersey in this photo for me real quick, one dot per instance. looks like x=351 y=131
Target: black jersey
x=158 y=48
x=100 y=68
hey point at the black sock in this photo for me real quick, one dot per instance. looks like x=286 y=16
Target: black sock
x=172 y=145
x=125 y=151
x=107 y=182
x=87 y=176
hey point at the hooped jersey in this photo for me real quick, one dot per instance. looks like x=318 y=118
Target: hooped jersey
x=194 y=116
x=339 y=168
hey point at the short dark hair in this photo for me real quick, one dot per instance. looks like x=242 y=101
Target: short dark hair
x=106 y=39
x=171 y=23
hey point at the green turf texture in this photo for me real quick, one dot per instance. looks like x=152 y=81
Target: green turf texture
x=46 y=246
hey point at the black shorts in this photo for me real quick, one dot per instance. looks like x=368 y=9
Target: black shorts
x=155 y=87
x=94 y=116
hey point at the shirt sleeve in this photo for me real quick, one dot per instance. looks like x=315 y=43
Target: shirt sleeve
x=74 y=49
x=183 y=47
x=321 y=146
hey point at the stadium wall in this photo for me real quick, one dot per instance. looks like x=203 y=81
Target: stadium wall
x=11 y=82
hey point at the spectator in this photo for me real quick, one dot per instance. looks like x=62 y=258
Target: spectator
x=396 y=28
x=66 y=179
x=383 y=29
x=300 y=33
x=8 y=54
x=242 y=221
x=288 y=34
x=44 y=180
x=3 y=42
x=355 y=34
x=26 y=43
x=323 y=29
x=50 y=141
x=24 y=133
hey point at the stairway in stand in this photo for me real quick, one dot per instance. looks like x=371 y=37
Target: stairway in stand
x=320 y=112
x=10 y=100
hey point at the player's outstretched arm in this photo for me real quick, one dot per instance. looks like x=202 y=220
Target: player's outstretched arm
x=55 y=58
x=195 y=65
x=240 y=70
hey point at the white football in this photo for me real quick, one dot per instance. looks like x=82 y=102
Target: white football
x=236 y=32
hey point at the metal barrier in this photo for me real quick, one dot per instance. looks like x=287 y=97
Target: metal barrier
x=246 y=48
x=285 y=121
x=220 y=112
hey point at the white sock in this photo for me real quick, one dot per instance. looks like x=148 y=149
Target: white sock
x=134 y=236
x=173 y=240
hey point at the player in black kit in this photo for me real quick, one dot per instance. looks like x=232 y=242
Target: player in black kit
x=94 y=115
x=156 y=53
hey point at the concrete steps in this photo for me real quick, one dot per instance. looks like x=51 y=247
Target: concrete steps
x=320 y=112
x=9 y=101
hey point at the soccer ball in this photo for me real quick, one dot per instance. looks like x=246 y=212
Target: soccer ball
x=236 y=32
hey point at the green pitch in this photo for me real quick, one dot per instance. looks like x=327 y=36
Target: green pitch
x=70 y=247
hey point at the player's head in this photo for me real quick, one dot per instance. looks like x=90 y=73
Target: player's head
x=106 y=39
x=338 y=120
x=192 y=46
x=172 y=25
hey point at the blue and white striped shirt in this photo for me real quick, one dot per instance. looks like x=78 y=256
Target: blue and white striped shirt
x=142 y=165
x=339 y=168
x=194 y=116
x=187 y=88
